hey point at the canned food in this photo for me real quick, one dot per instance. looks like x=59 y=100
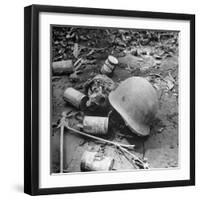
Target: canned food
x=75 y=98
x=112 y=60
x=106 y=70
x=93 y=161
x=109 y=65
x=95 y=125
x=62 y=67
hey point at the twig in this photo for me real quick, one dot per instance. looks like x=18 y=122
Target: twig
x=135 y=158
x=77 y=62
x=61 y=148
x=90 y=52
x=131 y=161
x=100 y=139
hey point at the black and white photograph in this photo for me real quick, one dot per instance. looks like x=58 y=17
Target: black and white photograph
x=114 y=99
x=109 y=99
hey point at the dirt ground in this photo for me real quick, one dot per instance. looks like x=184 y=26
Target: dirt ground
x=149 y=54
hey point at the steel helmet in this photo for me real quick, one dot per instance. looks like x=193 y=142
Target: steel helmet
x=136 y=101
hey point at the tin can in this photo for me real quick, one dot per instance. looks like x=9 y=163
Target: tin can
x=106 y=70
x=95 y=125
x=112 y=60
x=93 y=161
x=75 y=98
x=62 y=67
x=109 y=65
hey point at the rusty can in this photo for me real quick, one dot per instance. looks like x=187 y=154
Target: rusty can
x=95 y=161
x=62 y=67
x=95 y=125
x=75 y=98
x=109 y=65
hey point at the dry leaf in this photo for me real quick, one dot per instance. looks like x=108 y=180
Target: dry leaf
x=76 y=50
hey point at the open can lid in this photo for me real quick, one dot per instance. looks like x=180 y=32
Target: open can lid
x=112 y=60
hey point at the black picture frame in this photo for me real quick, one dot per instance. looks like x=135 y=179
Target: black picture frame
x=31 y=98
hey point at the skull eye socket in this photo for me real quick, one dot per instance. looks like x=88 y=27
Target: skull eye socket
x=102 y=100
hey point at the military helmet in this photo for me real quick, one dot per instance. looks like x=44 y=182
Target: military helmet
x=136 y=101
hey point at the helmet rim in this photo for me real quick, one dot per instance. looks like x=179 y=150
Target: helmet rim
x=139 y=129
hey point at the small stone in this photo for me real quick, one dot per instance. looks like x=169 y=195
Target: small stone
x=160 y=130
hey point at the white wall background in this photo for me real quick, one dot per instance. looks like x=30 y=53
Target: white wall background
x=11 y=99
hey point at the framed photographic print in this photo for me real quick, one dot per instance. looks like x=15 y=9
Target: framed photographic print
x=109 y=99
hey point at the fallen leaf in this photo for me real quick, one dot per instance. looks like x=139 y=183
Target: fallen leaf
x=76 y=50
